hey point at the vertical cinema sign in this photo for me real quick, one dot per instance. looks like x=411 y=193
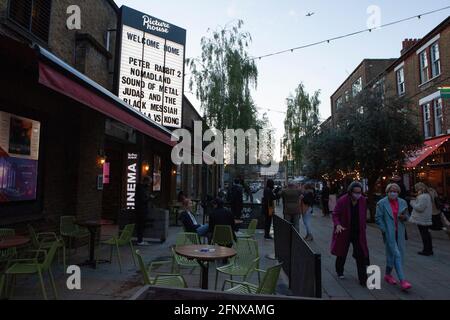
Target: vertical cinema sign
x=132 y=178
x=151 y=72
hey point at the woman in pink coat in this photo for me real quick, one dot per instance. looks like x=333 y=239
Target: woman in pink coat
x=349 y=218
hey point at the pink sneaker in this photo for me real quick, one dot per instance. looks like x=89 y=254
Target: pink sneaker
x=390 y=279
x=405 y=285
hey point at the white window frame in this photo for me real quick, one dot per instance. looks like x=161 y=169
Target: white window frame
x=401 y=86
x=339 y=102
x=424 y=65
x=437 y=104
x=427 y=120
x=435 y=61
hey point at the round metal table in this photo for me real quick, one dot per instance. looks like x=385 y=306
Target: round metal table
x=204 y=254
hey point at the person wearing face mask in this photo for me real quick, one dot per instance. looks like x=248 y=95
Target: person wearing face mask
x=392 y=213
x=422 y=216
x=349 y=218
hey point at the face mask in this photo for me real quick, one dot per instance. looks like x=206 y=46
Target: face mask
x=357 y=196
x=393 y=195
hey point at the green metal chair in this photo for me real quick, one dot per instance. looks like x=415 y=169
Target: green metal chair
x=183 y=239
x=267 y=286
x=70 y=230
x=7 y=254
x=222 y=236
x=250 y=232
x=162 y=280
x=45 y=240
x=244 y=263
x=123 y=240
x=33 y=266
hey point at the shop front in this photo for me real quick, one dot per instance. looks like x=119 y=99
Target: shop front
x=69 y=146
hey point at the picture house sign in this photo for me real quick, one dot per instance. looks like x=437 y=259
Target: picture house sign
x=151 y=76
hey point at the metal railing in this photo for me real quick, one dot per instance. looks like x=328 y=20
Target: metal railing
x=300 y=263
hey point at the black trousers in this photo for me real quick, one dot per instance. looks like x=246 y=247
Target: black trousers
x=361 y=262
x=268 y=224
x=426 y=239
x=140 y=227
x=325 y=207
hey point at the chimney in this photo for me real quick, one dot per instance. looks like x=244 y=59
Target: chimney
x=407 y=44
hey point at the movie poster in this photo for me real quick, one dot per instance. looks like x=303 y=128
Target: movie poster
x=19 y=156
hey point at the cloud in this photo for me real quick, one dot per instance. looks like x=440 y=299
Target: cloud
x=292 y=13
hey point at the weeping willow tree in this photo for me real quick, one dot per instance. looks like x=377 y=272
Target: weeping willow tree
x=301 y=123
x=223 y=77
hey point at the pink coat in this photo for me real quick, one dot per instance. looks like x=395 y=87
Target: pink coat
x=342 y=216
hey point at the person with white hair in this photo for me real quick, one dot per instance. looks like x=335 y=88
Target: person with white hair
x=391 y=215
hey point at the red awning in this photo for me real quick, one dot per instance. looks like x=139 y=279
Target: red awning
x=55 y=80
x=426 y=151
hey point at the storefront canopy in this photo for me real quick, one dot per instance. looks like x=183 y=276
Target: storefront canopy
x=430 y=146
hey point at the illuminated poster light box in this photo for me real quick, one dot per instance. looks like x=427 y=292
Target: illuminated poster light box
x=151 y=74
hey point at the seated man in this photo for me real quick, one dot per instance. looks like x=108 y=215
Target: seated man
x=221 y=216
x=189 y=222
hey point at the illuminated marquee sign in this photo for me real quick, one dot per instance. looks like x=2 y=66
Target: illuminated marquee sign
x=132 y=178
x=151 y=75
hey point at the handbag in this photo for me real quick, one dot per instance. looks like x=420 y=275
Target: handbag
x=270 y=211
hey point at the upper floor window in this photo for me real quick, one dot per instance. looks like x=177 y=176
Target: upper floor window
x=357 y=87
x=339 y=103
x=435 y=60
x=424 y=74
x=347 y=96
x=401 y=89
x=438 y=117
x=427 y=120
x=33 y=15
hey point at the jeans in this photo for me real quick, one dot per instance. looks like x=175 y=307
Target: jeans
x=307 y=221
x=426 y=239
x=202 y=231
x=397 y=263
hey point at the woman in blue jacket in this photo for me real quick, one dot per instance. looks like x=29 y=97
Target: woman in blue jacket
x=392 y=213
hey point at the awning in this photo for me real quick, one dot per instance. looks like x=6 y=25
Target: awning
x=73 y=84
x=430 y=146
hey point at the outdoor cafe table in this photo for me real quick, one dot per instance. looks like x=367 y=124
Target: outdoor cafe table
x=93 y=226
x=9 y=242
x=204 y=254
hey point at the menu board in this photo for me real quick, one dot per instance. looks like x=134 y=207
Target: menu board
x=19 y=155
x=151 y=74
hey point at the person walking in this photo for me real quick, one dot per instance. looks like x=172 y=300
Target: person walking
x=391 y=215
x=143 y=198
x=307 y=208
x=349 y=219
x=325 y=198
x=189 y=222
x=422 y=216
x=268 y=207
x=332 y=197
x=436 y=206
x=291 y=204
x=236 y=199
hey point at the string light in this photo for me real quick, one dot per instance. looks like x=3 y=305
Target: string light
x=348 y=35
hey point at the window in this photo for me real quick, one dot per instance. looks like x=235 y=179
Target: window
x=33 y=15
x=427 y=120
x=347 y=96
x=438 y=117
x=357 y=87
x=339 y=103
x=424 y=75
x=401 y=81
x=435 y=60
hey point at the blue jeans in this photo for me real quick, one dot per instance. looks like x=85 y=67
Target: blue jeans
x=307 y=221
x=202 y=231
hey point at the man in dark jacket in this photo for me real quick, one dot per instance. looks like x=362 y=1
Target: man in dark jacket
x=143 y=199
x=324 y=198
x=221 y=216
x=236 y=199
x=189 y=222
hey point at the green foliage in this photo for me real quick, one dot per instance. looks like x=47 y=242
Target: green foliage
x=224 y=77
x=301 y=123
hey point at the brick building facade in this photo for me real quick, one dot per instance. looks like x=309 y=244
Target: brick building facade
x=78 y=134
